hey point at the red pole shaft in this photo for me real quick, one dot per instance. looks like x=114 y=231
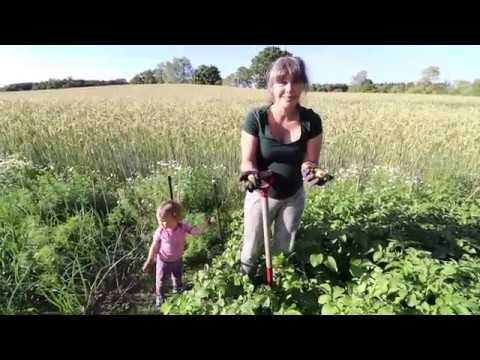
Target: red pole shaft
x=266 y=236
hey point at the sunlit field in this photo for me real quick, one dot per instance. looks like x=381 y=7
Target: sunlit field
x=82 y=171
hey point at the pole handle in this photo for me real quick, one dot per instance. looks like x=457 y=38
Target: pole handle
x=215 y=192
x=170 y=187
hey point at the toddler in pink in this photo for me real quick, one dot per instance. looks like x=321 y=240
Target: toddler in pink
x=168 y=246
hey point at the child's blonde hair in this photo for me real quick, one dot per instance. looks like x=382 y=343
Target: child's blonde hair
x=171 y=208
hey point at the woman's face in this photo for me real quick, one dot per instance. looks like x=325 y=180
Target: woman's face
x=286 y=92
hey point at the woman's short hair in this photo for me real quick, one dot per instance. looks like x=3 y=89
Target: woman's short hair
x=285 y=66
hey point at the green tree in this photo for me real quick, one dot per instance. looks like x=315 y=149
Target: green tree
x=137 y=79
x=145 y=77
x=159 y=73
x=207 y=75
x=262 y=62
x=244 y=77
x=231 y=80
x=476 y=87
x=368 y=86
x=461 y=87
x=241 y=78
x=359 y=78
x=430 y=74
x=149 y=77
x=178 y=71
x=361 y=83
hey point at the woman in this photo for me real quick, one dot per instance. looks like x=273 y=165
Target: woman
x=285 y=138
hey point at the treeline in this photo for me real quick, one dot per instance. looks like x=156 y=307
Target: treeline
x=61 y=84
x=329 y=87
x=428 y=83
x=181 y=71
x=456 y=88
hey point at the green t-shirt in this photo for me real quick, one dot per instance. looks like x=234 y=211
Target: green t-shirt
x=284 y=160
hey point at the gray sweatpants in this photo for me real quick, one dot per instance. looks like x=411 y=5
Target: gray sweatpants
x=285 y=215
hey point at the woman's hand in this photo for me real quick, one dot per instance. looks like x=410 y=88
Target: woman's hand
x=249 y=180
x=209 y=220
x=308 y=173
x=313 y=175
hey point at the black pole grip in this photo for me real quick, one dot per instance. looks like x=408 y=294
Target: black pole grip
x=215 y=191
x=170 y=187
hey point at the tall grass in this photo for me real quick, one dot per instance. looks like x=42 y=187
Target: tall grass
x=69 y=238
x=122 y=131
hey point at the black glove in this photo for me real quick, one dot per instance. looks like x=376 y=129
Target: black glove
x=249 y=180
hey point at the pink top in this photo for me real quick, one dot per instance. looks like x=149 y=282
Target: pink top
x=170 y=243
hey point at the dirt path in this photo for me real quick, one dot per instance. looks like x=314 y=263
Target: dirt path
x=140 y=300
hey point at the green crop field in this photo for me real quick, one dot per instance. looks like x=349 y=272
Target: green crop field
x=82 y=171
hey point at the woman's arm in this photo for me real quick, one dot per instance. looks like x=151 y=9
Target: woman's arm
x=314 y=146
x=249 y=145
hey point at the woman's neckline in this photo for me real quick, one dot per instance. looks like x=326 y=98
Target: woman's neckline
x=267 y=126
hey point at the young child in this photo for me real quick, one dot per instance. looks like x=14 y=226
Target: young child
x=168 y=246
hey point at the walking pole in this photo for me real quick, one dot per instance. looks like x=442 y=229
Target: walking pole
x=170 y=186
x=215 y=192
x=267 y=179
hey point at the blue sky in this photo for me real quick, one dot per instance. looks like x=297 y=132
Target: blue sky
x=325 y=63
